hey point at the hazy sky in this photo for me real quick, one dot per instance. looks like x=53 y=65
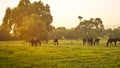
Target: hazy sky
x=65 y=12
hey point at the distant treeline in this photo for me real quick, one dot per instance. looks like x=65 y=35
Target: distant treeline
x=64 y=33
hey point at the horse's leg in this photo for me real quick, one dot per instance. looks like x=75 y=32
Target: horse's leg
x=84 y=41
x=111 y=43
x=107 y=43
x=115 y=42
x=94 y=42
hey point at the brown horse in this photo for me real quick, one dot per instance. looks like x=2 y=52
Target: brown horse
x=84 y=41
x=34 y=41
x=87 y=40
x=110 y=40
x=56 y=41
x=96 y=41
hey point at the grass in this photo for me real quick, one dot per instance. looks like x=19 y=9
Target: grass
x=69 y=54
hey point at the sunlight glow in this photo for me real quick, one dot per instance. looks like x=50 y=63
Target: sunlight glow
x=65 y=12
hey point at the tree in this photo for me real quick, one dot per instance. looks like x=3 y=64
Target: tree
x=58 y=32
x=15 y=17
x=33 y=26
x=63 y=33
x=90 y=28
x=7 y=20
x=115 y=33
x=71 y=34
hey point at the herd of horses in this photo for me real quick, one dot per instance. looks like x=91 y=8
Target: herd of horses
x=110 y=40
x=34 y=41
x=90 y=41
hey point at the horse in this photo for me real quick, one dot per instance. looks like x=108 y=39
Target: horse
x=89 y=40
x=84 y=41
x=56 y=41
x=110 y=40
x=96 y=41
x=34 y=41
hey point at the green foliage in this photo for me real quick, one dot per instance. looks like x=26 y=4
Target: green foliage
x=18 y=54
x=115 y=33
x=71 y=34
x=63 y=33
x=33 y=27
x=7 y=20
x=90 y=28
x=112 y=32
x=24 y=9
x=59 y=32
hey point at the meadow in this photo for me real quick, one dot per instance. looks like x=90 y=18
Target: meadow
x=68 y=54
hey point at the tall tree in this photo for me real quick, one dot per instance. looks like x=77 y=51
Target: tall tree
x=7 y=20
x=90 y=28
x=24 y=9
x=33 y=26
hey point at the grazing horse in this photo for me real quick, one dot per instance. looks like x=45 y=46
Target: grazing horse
x=96 y=41
x=56 y=41
x=84 y=41
x=89 y=40
x=34 y=41
x=110 y=40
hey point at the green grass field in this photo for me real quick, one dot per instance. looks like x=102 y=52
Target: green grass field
x=69 y=54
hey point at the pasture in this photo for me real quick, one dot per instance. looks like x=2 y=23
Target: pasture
x=69 y=54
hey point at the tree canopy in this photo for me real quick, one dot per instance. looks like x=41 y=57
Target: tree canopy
x=32 y=16
x=115 y=33
x=90 y=28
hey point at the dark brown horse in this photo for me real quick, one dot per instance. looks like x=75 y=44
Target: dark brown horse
x=84 y=41
x=35 y=41
x=56 y=41
x=87 y=40
x=110 y=40
x=96 y=41
x=90 y=41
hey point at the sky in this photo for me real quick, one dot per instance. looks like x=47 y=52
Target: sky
x=65 y=12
